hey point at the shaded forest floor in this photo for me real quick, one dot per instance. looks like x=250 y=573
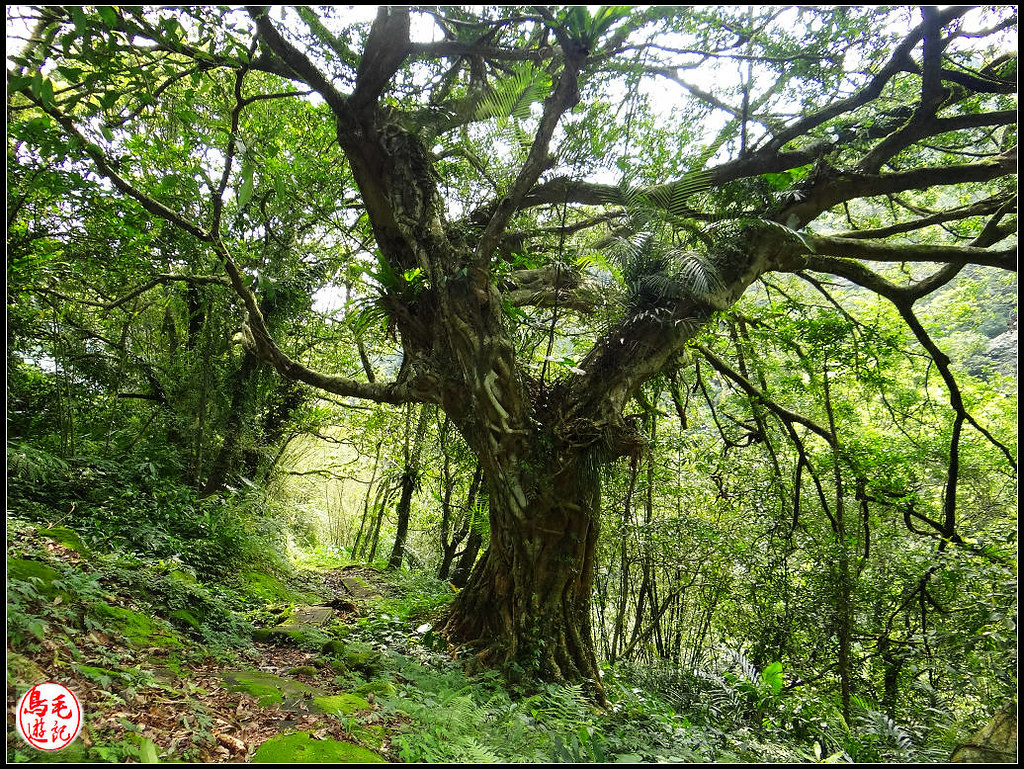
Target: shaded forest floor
x=153 y=687
x=337 y=663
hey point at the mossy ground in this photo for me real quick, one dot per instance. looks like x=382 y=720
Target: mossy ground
x=346 y=704
x=69 y=538
x=38 y=575
x=304 y=748
x=268 y=688
x=136 y=628
x=136 y=650
x=270 y=589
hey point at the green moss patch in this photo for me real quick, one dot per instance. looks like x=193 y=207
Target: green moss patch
x=299 y=626
x=270 y=589
x=334 y=648
x=358 y=586
x=137 y=629
x=360 y=657
x=67 y=537
x=75 y=753
x=21 y=671
x=346 y=704
x=270 y=689
x=381 y=688
x=301 y=748
x=185 y=618
x=39 y=575
x=369 y=734
x=290 y=635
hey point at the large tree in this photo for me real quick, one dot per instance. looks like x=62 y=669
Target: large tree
x=519 y=179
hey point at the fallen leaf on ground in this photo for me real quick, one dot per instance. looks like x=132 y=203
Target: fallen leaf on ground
x=234 y=744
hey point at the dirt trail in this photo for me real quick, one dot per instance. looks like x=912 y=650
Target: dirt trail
x=216 y=711
x=244 y=721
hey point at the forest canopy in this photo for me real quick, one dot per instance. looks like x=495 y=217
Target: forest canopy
x=655 y=331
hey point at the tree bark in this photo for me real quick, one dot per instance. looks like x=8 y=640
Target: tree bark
x=527 y=603
x=449 y=546
x=410 y=477
x=228 y=455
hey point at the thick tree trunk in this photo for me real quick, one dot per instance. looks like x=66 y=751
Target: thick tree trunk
x=526 y=608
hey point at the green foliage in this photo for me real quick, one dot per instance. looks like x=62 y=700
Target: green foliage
x=513 y=96
x=782 y=573
x=453 y=718
x=585 y=28
x=126 y=507
x=420 y=597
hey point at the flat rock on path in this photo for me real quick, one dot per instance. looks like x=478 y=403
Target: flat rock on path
x=355 y=582
x=316 y=616
x=350 y=586
x=301 y=624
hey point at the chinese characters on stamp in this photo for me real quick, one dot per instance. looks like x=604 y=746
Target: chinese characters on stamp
x=49 y=716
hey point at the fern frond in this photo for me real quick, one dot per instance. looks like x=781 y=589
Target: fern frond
x=32 y=465
x=746 y=669
x=468 y=750
x=698 y=274
x=890 y=733
x=673 y=196
x=513 y=97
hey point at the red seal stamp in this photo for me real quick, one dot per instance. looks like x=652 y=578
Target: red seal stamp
x=49 y=716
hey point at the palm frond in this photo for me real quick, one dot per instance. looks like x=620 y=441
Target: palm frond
x=514 y=96
x=672 y=197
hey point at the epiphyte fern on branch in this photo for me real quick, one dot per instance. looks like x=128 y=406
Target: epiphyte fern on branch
x=514 y=96
x=661 y=203
x=656 y=277
x=585 y=29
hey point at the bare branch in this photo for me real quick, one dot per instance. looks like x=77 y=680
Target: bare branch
x=98 y=157
x=790 y=417
x=162 y=279
x=884 y=251
x=763 y=161
x=981 y=208
x=898 y=62
x=563 y=97
x=386 y=48
x=449 y=49
x=298 y=63
x=836 y=187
